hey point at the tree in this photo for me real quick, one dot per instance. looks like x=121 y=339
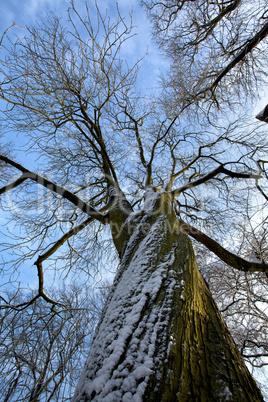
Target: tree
x=42 y=349
x=219 y=46
x=147 y=171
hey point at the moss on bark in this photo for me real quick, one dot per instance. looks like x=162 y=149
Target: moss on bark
x=161 y=336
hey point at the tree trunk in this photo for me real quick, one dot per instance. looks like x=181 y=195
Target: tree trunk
x=161 y=336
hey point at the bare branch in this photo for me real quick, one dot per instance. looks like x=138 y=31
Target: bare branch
x=14 y=184
x=65 y=237
x=248 y=47
x=138 y=138
x=23 y=306
x=5 y=32
x=211 y=175
x=57 y=189
x=229 y=258
x=170 y=11
x=41 y=292
x=261 y=190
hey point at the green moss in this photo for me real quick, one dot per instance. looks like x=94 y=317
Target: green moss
x=196 y=358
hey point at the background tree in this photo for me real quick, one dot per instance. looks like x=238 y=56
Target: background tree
x=42 y=348
x=214 y=47
x=136 y=162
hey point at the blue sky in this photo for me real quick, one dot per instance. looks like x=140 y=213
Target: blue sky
x=27 y=12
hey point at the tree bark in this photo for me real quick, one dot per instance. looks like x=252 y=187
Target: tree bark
x=161 y=336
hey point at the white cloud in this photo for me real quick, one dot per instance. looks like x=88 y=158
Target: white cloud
x=27 y=11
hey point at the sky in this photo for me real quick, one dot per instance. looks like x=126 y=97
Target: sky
x=26 y=12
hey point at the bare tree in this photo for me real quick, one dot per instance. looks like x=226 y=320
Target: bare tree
x=43 y=349
x=126 y=179
x=216 y=47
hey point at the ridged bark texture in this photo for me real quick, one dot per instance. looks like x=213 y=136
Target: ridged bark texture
x=161 y=336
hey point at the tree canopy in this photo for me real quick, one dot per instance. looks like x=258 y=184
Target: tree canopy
x=100 y=142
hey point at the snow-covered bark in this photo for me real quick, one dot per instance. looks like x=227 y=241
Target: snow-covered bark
x=161 y=336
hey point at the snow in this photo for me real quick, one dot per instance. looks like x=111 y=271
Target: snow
x=126 y=345
x=150 y=199
x=226 y=395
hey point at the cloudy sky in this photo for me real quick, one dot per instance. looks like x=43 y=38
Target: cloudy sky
x=27 y=12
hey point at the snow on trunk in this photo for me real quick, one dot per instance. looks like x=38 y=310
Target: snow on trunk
x=161 y=336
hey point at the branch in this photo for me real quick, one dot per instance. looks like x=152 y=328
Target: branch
x=229 y=258
x=261 y=164
x=249 y=46
x=65 y=237
x=147 y=166
x=27 y=174
x=231 y=304
x=261 y=190
x=5 y=32
x=41 y=292
x=158 y=140
x=23 y=306
x=256 y=355
x=211 y=175
x=225 y=11
x=174 y=8
x=51 y=251
x=62 y=240
x=138 y=138
x=14 y=184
